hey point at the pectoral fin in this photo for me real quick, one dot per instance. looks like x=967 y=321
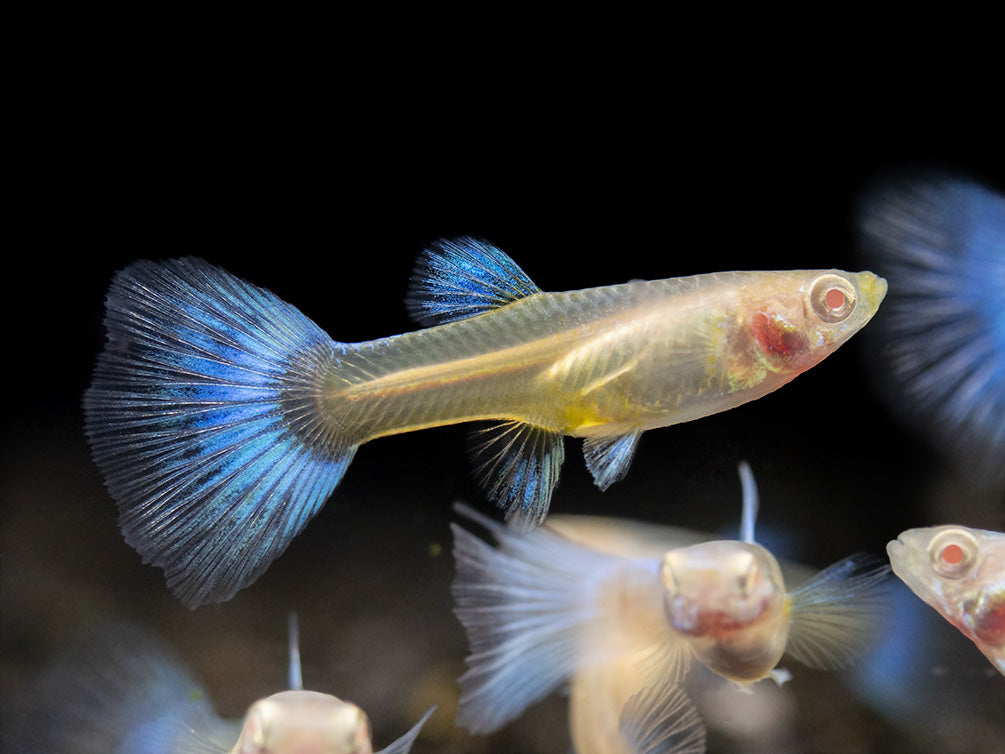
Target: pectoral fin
x=520 y=469
x=404 y=744
x=661 y=719
x=837 y=612
x=608 y=458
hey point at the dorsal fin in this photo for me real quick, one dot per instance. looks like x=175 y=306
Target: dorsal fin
x=749 y=516
x=457 y=279
x=296 y=676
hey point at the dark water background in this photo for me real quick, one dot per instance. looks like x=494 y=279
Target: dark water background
x=330 y=216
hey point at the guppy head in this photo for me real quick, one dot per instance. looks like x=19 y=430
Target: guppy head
x=960 y=572
x=728 y=599
x=304 y=722
x=717 y=587
x=796 y=325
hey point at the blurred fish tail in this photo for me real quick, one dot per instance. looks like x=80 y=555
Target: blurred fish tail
x=117 y=690
x=203 y=419
x=525 y=605
x=941 y=242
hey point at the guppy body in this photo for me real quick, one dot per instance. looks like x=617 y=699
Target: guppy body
x=597 y=362
x=222 y=418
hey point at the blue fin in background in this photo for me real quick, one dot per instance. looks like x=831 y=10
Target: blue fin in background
x=116 y=690
x=524 y=605
x=661 y=719
x=608 y=458
x=940 y=344
x=519 y=467
x=461 y=278
x=202 y=419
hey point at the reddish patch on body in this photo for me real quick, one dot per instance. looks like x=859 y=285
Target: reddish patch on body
x=717 y=624
x=776 y=337
x=990 y=625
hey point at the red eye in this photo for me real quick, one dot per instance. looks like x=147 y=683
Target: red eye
x=834 y=298
x=951 y=554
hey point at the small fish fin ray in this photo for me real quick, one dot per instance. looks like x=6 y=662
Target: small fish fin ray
x=524 y=605
x=608 y=458
x=837 y=613
x=660 y=719
x=461 y=278
x=518 y=465
x=404 y=744
x=116 y=689
x=203 y=419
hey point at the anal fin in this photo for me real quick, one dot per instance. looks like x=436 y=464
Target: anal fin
x=519 y=469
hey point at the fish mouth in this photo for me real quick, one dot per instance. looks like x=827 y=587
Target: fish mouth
x=872 y=289
x=895 y=552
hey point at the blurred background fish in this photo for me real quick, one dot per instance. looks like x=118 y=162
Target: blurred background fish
x=119 y=689
x=546 y=608
x=940 y=241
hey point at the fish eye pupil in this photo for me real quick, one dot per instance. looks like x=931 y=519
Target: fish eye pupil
x=834 y=298
x=952 y=554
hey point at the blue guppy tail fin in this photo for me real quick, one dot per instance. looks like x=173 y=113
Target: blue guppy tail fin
x=202 y=417
x=116 y=690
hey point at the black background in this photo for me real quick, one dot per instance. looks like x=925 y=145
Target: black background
x=324 y=189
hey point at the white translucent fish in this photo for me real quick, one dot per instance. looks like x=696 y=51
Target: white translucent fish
x=222 y=418
x=118 y=691
x=620 y=620
x=960 y=572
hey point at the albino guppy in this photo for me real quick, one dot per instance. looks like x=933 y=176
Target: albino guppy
x=960 y=572
x=120 y=692
x=222 y=418
x=621 y=624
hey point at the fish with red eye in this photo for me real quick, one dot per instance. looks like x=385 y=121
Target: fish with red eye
x=959 y=571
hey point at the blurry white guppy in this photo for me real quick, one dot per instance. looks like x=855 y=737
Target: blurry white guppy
x=121 y=692
x=608 y=607
x=961 y=573
x=222 y=418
